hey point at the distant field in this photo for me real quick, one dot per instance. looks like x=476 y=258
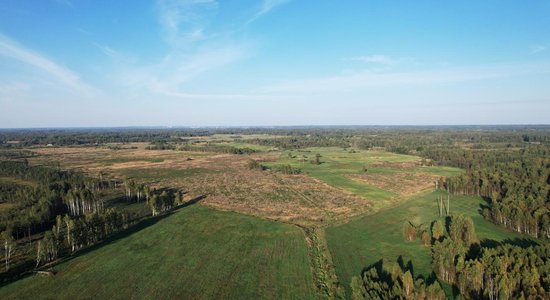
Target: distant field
x=364 y=241
x=224 y=178
x=333 y=191
x=373 y=175
x=196 y=253
x=17 y=181
x=231 y=137
x=242 y=145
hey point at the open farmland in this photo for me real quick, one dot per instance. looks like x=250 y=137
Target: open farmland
x=350 y=206
x=196 y=252
x=274 y=149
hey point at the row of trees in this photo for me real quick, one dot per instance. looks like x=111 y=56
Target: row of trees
x=71 y=234
x=83 y=201
x=215 y=147
x=137 y=192
x=165 y=202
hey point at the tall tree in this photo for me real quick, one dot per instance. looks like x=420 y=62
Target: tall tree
x=438 y=229
x=9 y=246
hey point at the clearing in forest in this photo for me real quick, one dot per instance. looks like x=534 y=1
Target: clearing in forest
x=196 y=252
x=379 y=176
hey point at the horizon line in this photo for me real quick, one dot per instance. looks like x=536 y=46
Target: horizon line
x=271 y=126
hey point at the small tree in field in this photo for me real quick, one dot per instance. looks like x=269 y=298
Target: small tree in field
x=438 y=230
x=426 y=239
x=317 y=160
x=408 y=284
x=409 y=232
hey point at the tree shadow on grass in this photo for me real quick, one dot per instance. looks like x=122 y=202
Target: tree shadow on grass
x=10 y=277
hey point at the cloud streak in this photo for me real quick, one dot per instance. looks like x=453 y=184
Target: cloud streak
x=537 y=49
x=169 y=76
x=13 y=50
x=369 y=79
x=267 y=6
x=185 y=21
x=193 y=50
x=376 y=59
x=114 y=54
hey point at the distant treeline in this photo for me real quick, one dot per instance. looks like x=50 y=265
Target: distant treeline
x=399 y=137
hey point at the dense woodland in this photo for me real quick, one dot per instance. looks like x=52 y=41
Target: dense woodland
x=515 y=183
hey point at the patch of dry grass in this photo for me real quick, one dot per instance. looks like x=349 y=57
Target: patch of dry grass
x=402 y=183
x=223 y=178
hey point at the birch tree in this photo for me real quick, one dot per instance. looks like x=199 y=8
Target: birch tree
x=9 y=246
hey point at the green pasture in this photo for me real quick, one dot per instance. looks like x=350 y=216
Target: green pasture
x=195 y=253
x=336 y=163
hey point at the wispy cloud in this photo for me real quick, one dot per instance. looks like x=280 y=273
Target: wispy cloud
x=534 y=49
x=366 y=79
x=169 y=76
x=194 y=48
x=376 y=59
x=114 y=54
x=185 y=21
x=267 y=6
x=13 y=50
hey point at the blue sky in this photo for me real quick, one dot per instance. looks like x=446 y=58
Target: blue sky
x=67 y=63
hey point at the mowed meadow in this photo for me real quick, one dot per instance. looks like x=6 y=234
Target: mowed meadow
x=194 y=253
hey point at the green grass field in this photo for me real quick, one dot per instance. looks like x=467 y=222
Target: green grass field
x=337 y=163
x=362 y=242
x=195 y=253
